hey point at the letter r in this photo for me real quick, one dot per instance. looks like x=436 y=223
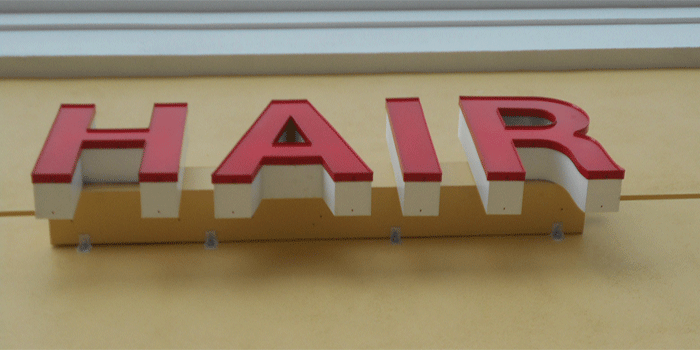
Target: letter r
x=502 y=157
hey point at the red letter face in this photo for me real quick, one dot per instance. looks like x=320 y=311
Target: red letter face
x=416 y=167
x=58 y=163
x=293 y=141
x=71 y=133
x=504 y=153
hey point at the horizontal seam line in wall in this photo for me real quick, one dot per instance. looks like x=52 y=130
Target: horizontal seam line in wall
x=17 y=213
x=643 y=197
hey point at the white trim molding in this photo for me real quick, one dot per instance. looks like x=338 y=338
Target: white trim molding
x=60 y=39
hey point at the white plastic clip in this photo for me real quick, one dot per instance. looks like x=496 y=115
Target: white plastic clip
x=395 y=235
x=557 y=233
x=211 y=241
x=84 y=245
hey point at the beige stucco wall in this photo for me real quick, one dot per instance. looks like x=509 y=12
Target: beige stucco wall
x=629 y=281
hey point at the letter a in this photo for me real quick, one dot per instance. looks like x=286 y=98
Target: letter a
x=291 y=151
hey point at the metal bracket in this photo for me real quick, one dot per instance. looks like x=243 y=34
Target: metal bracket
x=557 y=233
x=84 y=244
x=211 y=241
x=395 y=235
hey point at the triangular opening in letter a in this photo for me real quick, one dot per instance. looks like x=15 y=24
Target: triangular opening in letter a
x=291 y=135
